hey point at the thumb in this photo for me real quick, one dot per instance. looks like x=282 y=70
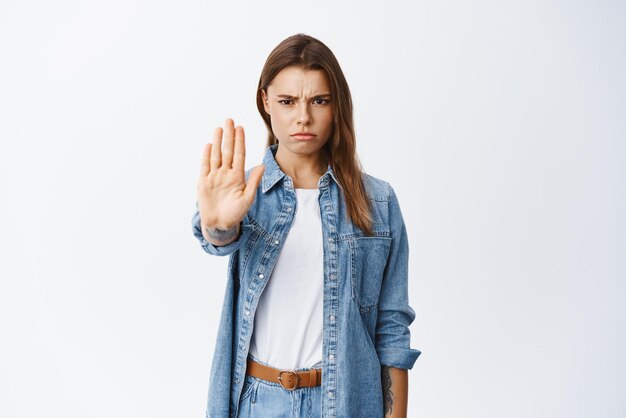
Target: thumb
x=254 y=179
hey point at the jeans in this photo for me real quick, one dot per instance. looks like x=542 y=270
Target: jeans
x=263 y=399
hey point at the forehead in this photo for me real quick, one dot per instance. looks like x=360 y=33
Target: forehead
x=297 y=81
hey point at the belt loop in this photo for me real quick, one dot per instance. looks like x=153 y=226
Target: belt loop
x=312 y=377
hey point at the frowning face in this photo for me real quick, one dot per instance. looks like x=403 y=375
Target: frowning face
x=299 y=104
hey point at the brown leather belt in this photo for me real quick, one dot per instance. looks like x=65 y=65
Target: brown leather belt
x=288 y=379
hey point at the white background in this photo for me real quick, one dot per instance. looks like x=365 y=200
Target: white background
x=500 y=124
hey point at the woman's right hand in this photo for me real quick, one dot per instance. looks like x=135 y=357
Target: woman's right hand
x=224 y=197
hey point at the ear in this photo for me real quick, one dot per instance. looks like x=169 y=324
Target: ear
x=265 y=103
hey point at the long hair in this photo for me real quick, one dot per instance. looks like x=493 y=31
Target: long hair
x=309 y=53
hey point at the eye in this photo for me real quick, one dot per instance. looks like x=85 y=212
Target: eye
x=320 y=101
x=285 y=101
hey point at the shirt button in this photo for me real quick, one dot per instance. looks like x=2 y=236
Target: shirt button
x=332 y=317
x=330 y=239
x=331 y=395
x=247 y=312
x=331 y=357
x=333 y=277
x=288 y=209
x=236 y=380
x=276 y=242
x=261 y=275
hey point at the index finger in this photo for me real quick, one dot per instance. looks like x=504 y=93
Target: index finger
x=239 y=154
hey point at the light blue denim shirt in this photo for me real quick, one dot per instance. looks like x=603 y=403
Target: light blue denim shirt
x=366 y=308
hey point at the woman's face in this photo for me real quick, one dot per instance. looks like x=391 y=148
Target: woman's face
x=301 y=111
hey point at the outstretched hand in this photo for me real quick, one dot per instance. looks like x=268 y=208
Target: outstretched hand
x=224 y=197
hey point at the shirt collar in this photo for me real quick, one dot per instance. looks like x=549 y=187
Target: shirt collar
x=273 y=174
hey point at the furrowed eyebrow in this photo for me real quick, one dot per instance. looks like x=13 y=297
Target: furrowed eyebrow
x=317 y=96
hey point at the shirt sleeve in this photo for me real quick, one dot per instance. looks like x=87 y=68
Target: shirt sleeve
x=393 y=336
x=214 y=249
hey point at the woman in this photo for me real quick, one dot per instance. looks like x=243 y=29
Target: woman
x=316 y=315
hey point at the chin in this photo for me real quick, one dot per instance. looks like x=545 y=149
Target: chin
x=301 y=147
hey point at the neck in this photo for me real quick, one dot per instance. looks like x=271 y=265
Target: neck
x=304 y=170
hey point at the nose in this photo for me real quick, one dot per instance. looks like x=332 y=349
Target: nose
x=304 y=115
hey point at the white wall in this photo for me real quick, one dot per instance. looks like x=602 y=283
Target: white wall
x=501 y=125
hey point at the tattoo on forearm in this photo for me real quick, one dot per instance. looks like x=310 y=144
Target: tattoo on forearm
x=222 y=234
x=387 y=394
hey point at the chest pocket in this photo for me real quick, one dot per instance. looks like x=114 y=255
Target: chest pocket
x=368 y=256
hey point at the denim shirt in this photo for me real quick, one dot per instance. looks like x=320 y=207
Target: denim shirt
x=366 y=308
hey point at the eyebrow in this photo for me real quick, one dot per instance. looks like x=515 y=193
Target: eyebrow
x=315 y=96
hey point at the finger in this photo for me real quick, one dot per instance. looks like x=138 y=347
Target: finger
x=228 y=143
x=253 y=183
x=205 y=165
x=239 y=156
x=216 y=148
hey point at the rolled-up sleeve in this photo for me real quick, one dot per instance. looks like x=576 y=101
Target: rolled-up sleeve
x=214 y=249
x=393 y=337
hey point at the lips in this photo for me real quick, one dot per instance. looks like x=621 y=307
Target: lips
x=303 y=136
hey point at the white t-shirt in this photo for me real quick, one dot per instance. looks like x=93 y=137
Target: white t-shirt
x=288 y=322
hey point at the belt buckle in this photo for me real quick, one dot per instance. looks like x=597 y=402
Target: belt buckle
x=284 y=381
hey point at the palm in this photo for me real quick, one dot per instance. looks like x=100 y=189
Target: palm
x=224 y=197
